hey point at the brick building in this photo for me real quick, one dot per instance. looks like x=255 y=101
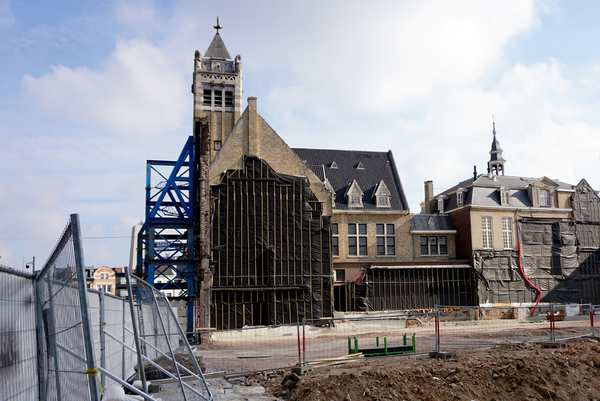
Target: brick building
x=378 y=258
x=501 y=220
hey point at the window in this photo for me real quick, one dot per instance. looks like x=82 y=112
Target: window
x=383 y=200
x=434 y=245
x=504 y=197
x=357 y=239
x=217 y=146
x=228 y=99
x=355 y=200
x=207 y=98
x=335 y=250
x=440 y=205
x=339 y=275
x=459 y=198
x=386 y=242
x=507 y=233
x=544 y=197
x=214 y=98
x=218 y=98
x=354 y=195
x=486 y=230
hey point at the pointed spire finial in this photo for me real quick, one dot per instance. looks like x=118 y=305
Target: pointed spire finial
x=494 y=125
x=217 y=27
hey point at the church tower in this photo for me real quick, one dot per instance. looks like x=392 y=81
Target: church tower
x=496 y=163
x=217 y=89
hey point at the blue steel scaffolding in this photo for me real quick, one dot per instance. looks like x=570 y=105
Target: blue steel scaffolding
x=165 y=251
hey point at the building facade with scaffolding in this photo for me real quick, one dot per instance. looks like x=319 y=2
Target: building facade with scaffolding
x=529 y=239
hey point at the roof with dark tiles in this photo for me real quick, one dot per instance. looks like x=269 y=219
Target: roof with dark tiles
x=217 y=48
x=376 y=166
x=431 y=222
x=485 y=191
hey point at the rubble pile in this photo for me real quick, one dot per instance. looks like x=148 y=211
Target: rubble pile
x=503 y=372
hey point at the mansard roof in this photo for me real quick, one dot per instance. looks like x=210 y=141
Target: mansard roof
x=485 y=190
x=376 y=167
x=431 y=222
x=217 y=48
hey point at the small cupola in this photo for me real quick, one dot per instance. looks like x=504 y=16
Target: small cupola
x=496 y=163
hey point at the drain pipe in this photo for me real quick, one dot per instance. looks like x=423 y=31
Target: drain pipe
x=523 y=273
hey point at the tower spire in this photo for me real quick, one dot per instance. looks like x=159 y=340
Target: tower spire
x=218 y=26
x=496 y=163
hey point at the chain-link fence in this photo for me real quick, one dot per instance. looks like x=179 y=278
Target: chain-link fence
x=67 y=356
x=461 y=327
x=18 y=346
x=61 y=341
x=166 y=351
x=316 y=341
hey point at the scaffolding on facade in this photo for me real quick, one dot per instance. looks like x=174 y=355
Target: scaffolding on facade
x=271 y=249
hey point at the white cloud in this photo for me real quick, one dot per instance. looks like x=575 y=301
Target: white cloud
x=137 y=89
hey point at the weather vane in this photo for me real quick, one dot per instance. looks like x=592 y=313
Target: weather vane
x=217 y=27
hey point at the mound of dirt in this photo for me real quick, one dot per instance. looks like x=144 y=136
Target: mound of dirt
x=504 y=372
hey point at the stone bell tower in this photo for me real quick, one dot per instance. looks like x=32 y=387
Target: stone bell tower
x=217 y=89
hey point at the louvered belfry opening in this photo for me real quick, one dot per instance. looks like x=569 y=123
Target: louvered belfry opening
x=271 y=249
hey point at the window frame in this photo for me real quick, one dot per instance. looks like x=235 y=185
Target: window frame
x=504 y=197
x=335 y=240
x=544 y=198
x=433 y=245
x=459 y=199
x=487 y=232
x=357 y=239
x=386 y=239
x=507 y=233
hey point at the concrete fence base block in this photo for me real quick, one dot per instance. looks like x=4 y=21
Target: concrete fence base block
x=440 y=355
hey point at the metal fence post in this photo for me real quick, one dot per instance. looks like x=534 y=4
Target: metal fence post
x=299 y=350
x=52 y=333
x=102 y=339
x=123 y=321
x=592 y=320
x=42 y=351
x=437 y=329
x=303 y=341
x=141 y=372
x=552 y=324
x=85 y=309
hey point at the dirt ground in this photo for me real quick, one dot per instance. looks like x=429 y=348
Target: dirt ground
x=502 y=372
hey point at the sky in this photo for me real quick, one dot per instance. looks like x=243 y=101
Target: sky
x=90 y=90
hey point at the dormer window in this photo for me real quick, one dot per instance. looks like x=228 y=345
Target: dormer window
x=355 y=200
x=504 y=197
x=360 y=166
x=382 y=195
x=441 y=205
x=544 y=197
x=459 y=198
x=333 y=165
x=354 y=195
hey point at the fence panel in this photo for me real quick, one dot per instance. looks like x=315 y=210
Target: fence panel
x=249 y=348
x=371 y=336
x=571 y=321
x=484 y=326
x=18 y=344
x=165 y=343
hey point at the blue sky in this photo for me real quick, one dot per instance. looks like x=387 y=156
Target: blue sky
x=90 y=90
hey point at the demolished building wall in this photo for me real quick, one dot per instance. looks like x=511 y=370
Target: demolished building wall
x=271 y=249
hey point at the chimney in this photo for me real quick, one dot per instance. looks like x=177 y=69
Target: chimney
x=252 y=127
x=474 y=173
x=428 y=196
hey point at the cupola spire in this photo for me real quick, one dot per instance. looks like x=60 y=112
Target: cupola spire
x=496 y=163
